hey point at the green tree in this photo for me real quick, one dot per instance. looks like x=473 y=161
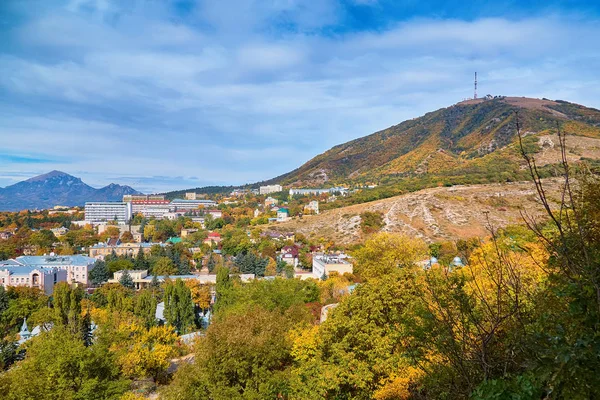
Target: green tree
x=245 y=355
x=140 y=261
x=119 y=264
x=145 y=308
x=67 y=305
x=179 y=307
x=59 y=366
x=126 y=280
x=43 y=239
x=164 y=266
x=212 y=263
x=99 y=273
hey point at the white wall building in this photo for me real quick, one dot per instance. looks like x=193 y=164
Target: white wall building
x=317 y=192
x=98 y=211
x=270 y=189
x=188 y=205
x=312 y=207
x=77 y=267
x=325 y=264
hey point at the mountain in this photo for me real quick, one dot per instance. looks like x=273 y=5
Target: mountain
x=56 y=188
x=470 y=142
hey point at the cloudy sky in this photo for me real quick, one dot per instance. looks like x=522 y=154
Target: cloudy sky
x=166 y=94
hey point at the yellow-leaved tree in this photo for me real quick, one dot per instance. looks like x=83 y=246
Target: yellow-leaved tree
x=150 y=353
x=385 y=252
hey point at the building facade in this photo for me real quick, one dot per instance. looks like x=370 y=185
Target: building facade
x=13 y=273
x=189 y=205
x=270 y=189
x=77 y=267
x=283 y=214
x=101 y=250
x=128 y=198
x=325 y=264
x=99 y=211
x=317 y=192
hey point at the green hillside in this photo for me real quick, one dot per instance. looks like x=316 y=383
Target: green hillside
x=470 y=142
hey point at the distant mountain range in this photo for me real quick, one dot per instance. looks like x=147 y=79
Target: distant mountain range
x=57 y=188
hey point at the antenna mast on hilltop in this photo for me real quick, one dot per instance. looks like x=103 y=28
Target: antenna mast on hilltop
x=475 y=94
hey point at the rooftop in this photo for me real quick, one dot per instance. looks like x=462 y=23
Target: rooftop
x=56 y=260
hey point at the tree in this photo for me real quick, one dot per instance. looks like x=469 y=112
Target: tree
x=99 y=273
x=67 y=305
x=150 y=353
x=154 y=283
x=245 y=355
x=164 y=266
x=271 y=269
x=223 y=288
x=43 y=239
x=59 y=366
x=140 y=261
x=4 y=299
x=127 y=237
x=358 y=351
x=212 y=263
x=126 y=280
x=119 y=264
x=145 y=308
x=384 y=253
x=87 y=336
x=183 y=267
x=179 y=308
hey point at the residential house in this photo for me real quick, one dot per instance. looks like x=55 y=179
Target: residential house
x=6 y=234
x=289 y=254
x=58 y=232
x=270 y=202
x=283 y=214
x=187 y=232
x=213 y=238
x=280 y=236
x=312 y=207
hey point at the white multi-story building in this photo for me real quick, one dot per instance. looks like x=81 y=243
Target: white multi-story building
x=142 y=197
x=151 y=208
x=77 y=267
x=189 y=205
x=270 y=189
x=98 y=211
x=317 y=192
x=13 y=273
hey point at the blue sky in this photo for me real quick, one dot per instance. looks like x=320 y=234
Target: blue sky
x=173 y=94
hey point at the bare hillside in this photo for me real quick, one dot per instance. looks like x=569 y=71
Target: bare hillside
x=432 y=214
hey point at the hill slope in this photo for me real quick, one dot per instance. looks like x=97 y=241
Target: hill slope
x=433 y=214
x=56 y=188
x=469 y=142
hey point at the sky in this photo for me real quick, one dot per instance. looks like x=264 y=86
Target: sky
x=174 y=94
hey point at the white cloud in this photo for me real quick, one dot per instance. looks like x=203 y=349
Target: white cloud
x=224 y=93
